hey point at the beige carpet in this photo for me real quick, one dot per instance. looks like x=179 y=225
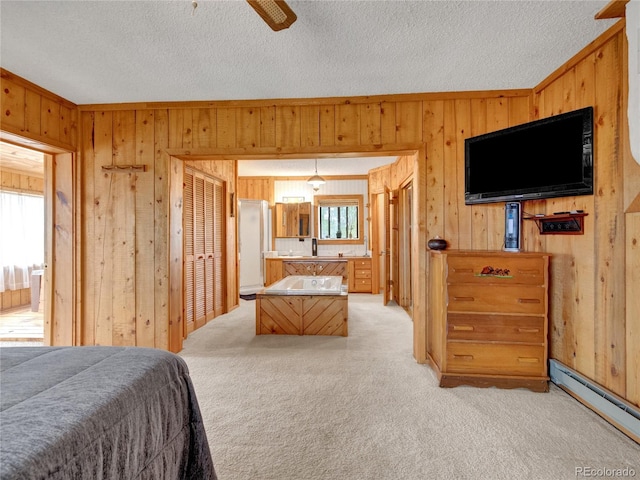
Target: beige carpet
x=303 y=408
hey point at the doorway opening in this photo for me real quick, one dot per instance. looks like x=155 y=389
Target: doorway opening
x=22 y=244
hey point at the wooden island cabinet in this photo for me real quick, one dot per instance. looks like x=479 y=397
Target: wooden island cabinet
x=488 y=319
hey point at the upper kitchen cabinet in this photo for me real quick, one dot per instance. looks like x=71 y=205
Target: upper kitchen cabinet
x=292 y=220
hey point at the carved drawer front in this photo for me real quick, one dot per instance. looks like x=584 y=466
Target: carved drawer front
x=490 y=298
x=496 y=328
x=523 y=271
x=496 y=359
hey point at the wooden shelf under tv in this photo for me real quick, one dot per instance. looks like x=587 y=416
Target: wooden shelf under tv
x=560 y=224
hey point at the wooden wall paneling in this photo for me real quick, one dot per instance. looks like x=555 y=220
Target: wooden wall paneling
x=32 y=109
x=90 y=236
x=451 y=185
x=144 y=230
x=327 y=125
x=68 y=121
x=187 y=128
x=175 y=239
x=288 y=126
x=434 y=141
x=268 y=126
x=479 y=230
x=13 y=104
x=388 y=123
x=462 y=111
x=162 y=233
x=48 y=278
x=419 y=268
x=255 y=188
x=310 y=125
x=370 y=123
x=204 y=120
x=61 y=270
x=101 y=253
x=609 y=238
x=408 y=122
x=581 y=79
x=248 y=127
x=347 y=124
x=122 y=220
x=226 y=127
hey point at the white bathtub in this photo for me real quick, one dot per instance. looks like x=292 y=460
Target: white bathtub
x=306 y=285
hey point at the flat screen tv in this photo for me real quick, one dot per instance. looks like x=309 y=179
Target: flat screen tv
x=551 y=157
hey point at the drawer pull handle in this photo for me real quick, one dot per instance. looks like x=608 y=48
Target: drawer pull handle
x=463 y=357
x=528 y=330
x=533 y=271
x=528 y=300
x=463 y=299
x=528 y=360
x=463 y=328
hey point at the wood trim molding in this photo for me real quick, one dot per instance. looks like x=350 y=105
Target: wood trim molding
x=613 y=9
x=402 y=97
x=7 y=75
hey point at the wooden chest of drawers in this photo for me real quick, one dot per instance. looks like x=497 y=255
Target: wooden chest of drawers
x=360 y=275
x=488 y=318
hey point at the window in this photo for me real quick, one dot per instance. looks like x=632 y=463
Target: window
x=339 y=218
x=21 y=238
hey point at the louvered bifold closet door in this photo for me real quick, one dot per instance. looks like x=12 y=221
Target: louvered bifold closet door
x=189 y=277
x=200 y=283
x=210 y=215
x=219 y=247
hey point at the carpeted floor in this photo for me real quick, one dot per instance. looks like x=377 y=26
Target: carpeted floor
x=355 y=408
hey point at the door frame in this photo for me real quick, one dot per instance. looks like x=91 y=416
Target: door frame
x=419 y=234
x=62 y=250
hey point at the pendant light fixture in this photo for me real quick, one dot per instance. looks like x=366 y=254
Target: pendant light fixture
x=316 y=180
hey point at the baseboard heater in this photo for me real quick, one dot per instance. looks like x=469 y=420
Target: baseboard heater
x=618 y=412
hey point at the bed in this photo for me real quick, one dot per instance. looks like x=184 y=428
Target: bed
x=99 y=413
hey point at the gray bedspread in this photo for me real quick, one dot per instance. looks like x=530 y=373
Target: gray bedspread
x=99 y=413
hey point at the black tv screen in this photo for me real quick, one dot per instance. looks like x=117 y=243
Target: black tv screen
x=551 y=157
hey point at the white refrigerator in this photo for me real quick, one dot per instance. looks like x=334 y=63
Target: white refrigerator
x=254 y=234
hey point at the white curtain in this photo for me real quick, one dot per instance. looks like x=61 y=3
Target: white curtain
x=21 y=238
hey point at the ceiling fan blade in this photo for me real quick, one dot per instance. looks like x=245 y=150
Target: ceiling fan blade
x=276 y=13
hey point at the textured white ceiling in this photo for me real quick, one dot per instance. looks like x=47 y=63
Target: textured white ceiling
x=143 y=51
x=138 y=51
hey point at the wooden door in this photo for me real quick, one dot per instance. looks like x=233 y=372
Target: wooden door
x=189 y=258
x=204 y=241
x=219 y=252
x=385 y=249
x=395 y=247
